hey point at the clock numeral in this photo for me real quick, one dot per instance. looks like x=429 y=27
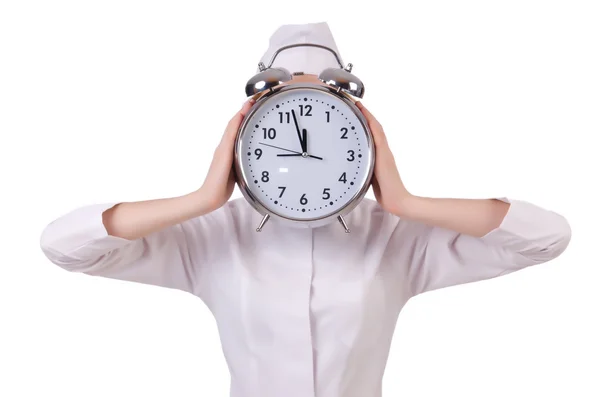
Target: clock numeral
x=326 y=194
x=287 y=117
x=343 y=178
x=351 y=153
x=327 y=112
x=282 y=190
x=270 y=133
x=309 y=109
x=345 y=131
x=258 y=153
x=303 y=199
x=265 y=176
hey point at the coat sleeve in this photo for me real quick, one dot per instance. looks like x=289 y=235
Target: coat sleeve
x=436 y=258
x=175 y=257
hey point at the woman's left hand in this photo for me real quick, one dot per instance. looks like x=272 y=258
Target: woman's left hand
x=475 y=217
x=387 y=184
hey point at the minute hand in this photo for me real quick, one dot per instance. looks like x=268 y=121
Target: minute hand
x=302 y=143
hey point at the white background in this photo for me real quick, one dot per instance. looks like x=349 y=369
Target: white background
x=126 y=100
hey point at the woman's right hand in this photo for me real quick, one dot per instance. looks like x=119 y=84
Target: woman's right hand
x=132 y=220
x=220 y=180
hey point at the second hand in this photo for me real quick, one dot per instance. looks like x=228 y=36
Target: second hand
x=292 y=151
x=280 y=148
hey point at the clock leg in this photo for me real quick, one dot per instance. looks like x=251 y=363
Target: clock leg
x=262 y=223
x=343 y=222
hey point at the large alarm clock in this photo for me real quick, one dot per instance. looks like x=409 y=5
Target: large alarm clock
x=304 y=154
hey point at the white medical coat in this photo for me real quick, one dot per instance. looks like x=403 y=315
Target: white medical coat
x=305 y=312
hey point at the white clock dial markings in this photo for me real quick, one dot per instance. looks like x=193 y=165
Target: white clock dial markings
x=305 y=156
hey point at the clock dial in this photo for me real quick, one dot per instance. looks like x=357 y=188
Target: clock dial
x=305 y=154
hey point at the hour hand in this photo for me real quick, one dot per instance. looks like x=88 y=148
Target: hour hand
x=304 y=141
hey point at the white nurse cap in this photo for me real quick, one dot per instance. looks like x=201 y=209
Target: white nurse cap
x=305 y=59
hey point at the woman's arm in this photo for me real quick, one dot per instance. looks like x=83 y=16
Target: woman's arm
x=166 y=242
x=134 y=220
x=138 y=219
x=441 y=242
x=448 y=247
x=474 y=217
x=471 y=217
x=152 y=249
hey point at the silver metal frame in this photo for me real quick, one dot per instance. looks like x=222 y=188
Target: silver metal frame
x=337 y=58
x=243 y=182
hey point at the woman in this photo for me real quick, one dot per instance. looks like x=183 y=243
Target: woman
x=305 y=312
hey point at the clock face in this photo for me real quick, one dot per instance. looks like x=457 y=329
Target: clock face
x=304 y=154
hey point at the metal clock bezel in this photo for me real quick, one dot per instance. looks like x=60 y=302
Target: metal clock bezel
x=243 y=182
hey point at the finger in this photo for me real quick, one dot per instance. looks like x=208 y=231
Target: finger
x=373 y=122
x=223 y=153
x=361 y=107
x=247 y=105
x=376 y=127
x=243 y=111
x=239 y=115
x=369 y=116
x=236 y=121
